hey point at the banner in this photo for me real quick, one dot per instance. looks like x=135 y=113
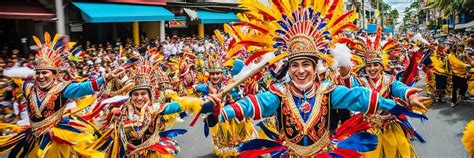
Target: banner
x=177 y=24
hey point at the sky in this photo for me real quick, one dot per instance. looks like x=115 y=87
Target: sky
x=400 y=5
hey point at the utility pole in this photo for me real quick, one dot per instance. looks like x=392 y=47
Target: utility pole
x=363 y=15
x=60 y=23
x=381 y=13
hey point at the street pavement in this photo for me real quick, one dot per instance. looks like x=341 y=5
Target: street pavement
x=194 y=143
x=443 y=130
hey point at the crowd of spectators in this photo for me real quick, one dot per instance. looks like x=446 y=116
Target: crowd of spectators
x=95 y=60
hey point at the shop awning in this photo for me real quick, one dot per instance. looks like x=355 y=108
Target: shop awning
x=207 y=17
x=32 y=12
x=107 y=12
x=147 y=2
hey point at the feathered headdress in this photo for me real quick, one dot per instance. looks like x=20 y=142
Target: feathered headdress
x=50 y=52
x=374 y=49
x=144 y=75
x=302 y=28
x=214 y=62
x=468 y=138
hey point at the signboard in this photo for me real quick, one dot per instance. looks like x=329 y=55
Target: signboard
x=76 y=27
x=372 y=28
x=388 y=29
x=177 y=24
x=444 y=28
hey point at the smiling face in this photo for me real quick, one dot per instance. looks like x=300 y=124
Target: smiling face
x=216 y=77
x=44 y=78
x=140 y=97
x=374 y=70
x=302 y=71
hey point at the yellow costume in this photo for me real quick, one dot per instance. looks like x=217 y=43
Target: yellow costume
x=393 y=132
x=468 y=139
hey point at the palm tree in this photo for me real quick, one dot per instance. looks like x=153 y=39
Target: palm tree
x=448 y=7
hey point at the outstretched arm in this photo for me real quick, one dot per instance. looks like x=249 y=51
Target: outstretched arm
x=402 y=91
x=359 y=99
x=77 y=90
x=257 y=106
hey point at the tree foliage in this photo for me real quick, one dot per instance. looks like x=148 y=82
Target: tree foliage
x=448 y=7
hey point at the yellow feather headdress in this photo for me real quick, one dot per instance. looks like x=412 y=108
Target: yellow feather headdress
x=303 y=28
x=375 y=50
x=468 y=138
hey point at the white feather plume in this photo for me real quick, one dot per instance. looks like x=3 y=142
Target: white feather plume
x=420 y=38
x=342 y=56
x=320 y=68
x=250 y=67
x=22 y=72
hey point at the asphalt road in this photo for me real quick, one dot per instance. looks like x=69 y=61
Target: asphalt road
x=194 y=143
x=443 y=130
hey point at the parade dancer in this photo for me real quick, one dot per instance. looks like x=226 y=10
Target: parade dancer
x=187 y=75
x=470 y=53
x=344 y=64
x=226 y=136
x=138 y=126
x=301 y=105
x=394 y=131
x=440 y=64
x=53 y=132
x=459 y=68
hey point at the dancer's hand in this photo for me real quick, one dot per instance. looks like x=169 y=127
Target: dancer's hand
x=214 y=98
x=416 y=102
x=344 y=71
x=117 y=73
x=116 y=111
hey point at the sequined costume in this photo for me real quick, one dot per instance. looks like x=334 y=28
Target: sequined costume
x=394 y=131
x=459 y=67
x=226 y=136
x=440 y=71
x=304 y=30
x=54 y=132
x=144 y=131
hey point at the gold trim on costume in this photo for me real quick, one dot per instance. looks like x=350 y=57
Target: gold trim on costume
x=311 y=149
x=47 y=121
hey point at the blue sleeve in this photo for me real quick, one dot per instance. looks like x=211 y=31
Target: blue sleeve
x=398 y=89
x=77 y=90
x=355 y=82
x=171 y=108
x=257 y=106
x=202 y=89
x=358 y=99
